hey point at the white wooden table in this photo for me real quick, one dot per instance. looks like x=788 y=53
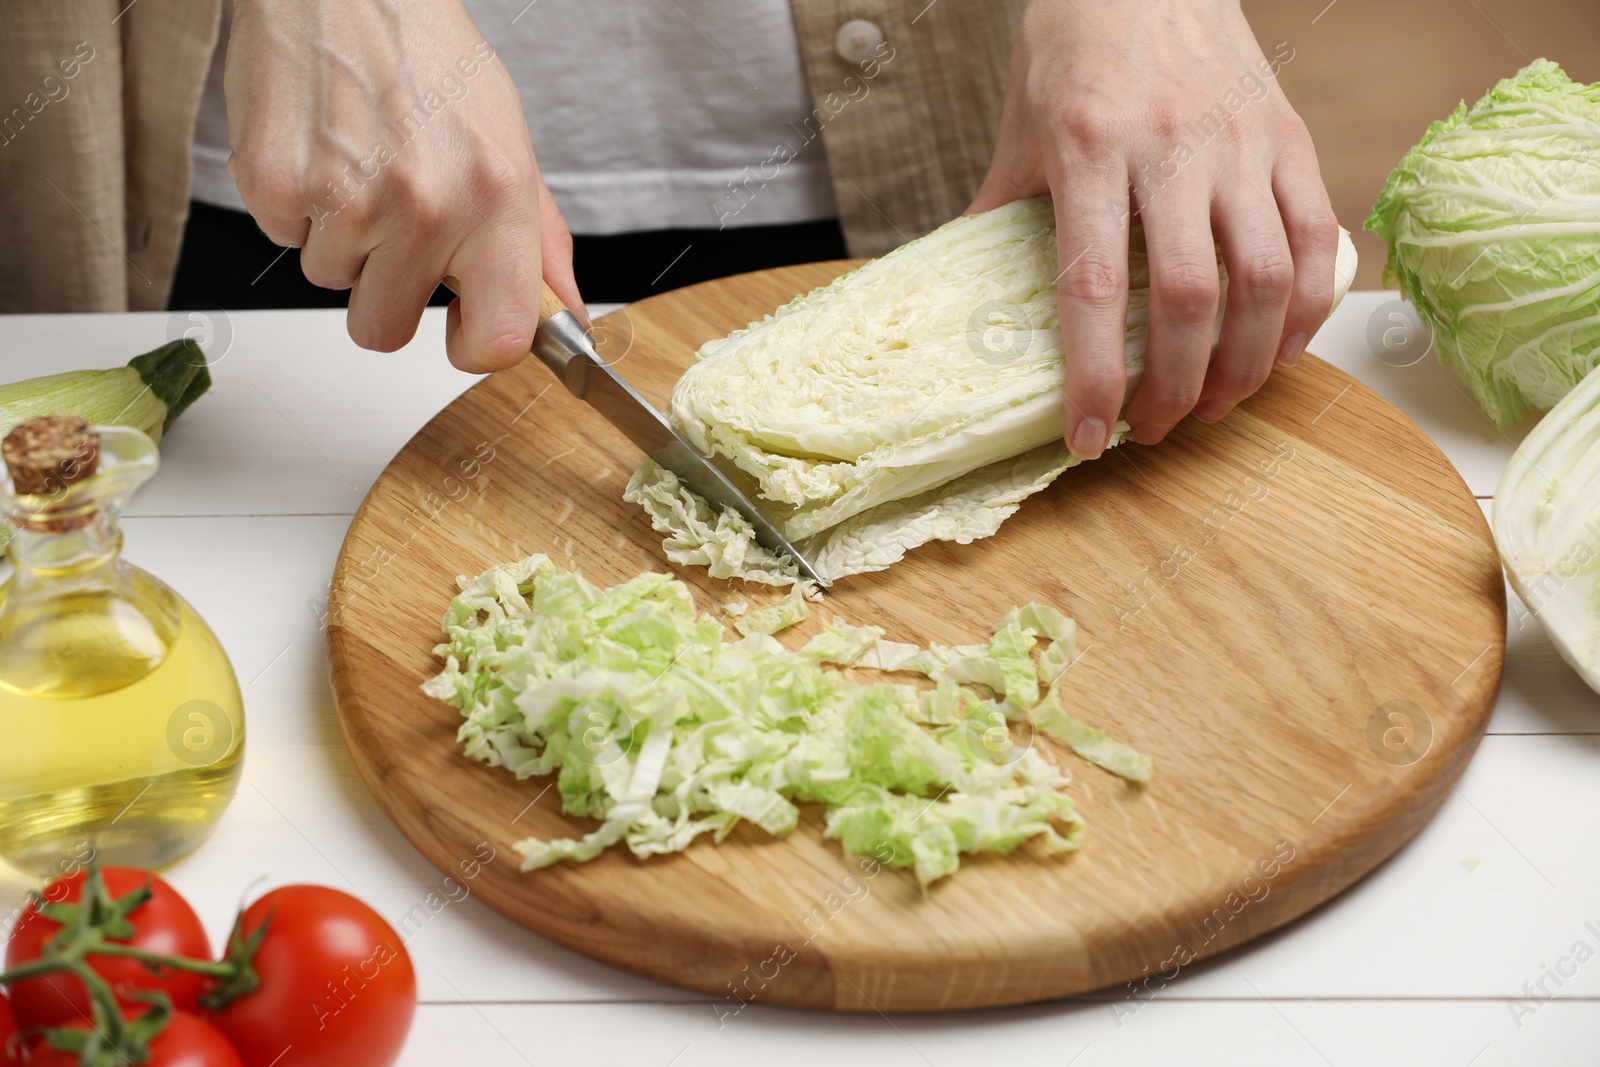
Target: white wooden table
x=1431 y=960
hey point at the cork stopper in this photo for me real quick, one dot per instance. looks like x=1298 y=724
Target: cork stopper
x=46 y=454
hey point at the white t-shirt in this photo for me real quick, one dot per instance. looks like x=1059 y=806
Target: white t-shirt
x=641 y=111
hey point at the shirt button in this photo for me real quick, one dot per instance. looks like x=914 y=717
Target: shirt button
x=858 y=41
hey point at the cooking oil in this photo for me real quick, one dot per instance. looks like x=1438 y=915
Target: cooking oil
x=121 y=722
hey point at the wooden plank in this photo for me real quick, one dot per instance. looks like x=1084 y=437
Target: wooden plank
x=1247 y=1029
x=293 y=389
x=304 y=815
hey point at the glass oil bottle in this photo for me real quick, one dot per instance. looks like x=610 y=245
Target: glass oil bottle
x=121 y=722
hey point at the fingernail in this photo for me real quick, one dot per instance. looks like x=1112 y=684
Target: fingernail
x=1089 y=439
x=1211 y=411
x=1293 y=345
x=1150 y=433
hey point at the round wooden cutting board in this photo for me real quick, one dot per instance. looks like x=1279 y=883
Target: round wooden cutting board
x=1296 y=612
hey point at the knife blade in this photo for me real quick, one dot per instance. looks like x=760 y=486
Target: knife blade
x=563 y=345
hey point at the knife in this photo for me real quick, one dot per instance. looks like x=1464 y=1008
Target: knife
x=562 y=344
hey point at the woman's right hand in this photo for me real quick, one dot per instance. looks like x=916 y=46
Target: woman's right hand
x=385 y=140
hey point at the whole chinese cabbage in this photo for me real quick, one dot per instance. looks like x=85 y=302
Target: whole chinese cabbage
x=915 y=399
x=1493 y=227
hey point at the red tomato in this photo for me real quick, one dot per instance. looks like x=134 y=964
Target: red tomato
x=186 y=1041
x=337 y=988
x=165 y=924
x=10 y=1047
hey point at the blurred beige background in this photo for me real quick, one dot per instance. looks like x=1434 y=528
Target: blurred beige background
x=1369 y=75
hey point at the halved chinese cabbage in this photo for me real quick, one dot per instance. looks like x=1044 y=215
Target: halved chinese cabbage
x=917 y=398
x=1547 y=525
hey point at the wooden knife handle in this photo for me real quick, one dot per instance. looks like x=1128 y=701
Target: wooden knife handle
x=549 y=303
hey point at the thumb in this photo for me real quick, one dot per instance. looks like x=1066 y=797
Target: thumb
x=1013 y=174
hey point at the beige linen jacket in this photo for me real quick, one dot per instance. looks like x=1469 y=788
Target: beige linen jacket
x=98 y=99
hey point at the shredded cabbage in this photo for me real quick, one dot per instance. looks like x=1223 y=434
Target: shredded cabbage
x=778 y=615
x=1493 y=226
x=663 y=730
x=969 y=508
x=915 y=399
